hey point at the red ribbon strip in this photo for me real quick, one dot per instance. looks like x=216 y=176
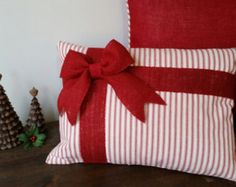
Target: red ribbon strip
x=185 y=80
x=79 y=71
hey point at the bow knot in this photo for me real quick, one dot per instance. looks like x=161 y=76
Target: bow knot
x=79 y=70
x=95 y=70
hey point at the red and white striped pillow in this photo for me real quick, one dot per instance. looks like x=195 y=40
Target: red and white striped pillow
x=193 y=133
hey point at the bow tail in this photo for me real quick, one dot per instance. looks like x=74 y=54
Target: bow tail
x=72 y=96
x=134 y=93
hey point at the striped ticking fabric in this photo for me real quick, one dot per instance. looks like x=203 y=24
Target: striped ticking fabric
x=193 y=133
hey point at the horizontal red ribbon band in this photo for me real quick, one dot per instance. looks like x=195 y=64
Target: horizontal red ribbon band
x=194 y=81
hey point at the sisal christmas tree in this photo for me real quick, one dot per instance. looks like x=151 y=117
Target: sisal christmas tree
x=35 y=115
x=10 y=125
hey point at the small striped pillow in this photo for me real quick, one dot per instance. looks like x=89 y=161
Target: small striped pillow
x=192 y=133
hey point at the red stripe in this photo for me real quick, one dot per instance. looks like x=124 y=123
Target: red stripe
x=181 y=132
x=92 y=120
x=158 y=137
x=218 y=136
x=214 y=138
x=92 y=124
x=205 y=82
x=203 y=137
x=164 y=134
x=131 y=132
x=196 y=124
x=109 y=129
x=125 y=143
x=209 y=135
x=175 y=132
x=120 y=132
x=153 y=114
x=186 y=134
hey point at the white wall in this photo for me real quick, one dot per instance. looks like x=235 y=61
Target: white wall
x=29 y=32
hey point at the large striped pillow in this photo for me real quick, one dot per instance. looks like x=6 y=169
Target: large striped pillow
x=192 y=133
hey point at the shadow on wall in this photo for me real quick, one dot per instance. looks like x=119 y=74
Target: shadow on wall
x=21 y=103
x=48 y=102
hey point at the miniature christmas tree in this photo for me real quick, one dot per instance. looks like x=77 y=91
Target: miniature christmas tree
x=35 y=114
x=10 y=125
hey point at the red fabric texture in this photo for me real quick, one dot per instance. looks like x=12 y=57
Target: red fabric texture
x=206 y=82
x=183 y=23
x=92 y=129
x=92 y=124
x=79 y=71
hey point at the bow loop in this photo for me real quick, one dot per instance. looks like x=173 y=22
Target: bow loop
x=78 y=70
x=115 y=58
x=74 y=65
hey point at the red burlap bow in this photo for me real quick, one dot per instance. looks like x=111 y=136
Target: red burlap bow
x=79 y=72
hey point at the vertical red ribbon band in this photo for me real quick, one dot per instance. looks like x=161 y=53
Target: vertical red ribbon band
x=92 y=119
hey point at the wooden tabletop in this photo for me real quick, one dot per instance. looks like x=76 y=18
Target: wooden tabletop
x=28 y=169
